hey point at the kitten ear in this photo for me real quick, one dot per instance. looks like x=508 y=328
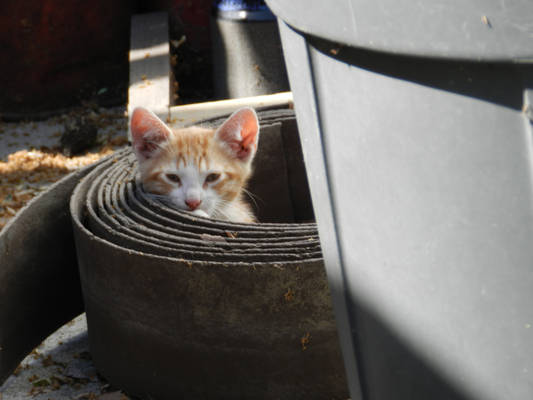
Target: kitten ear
x=147 y=132
x=239 y=134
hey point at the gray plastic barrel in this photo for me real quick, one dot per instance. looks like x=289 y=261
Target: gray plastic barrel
x=415 y=120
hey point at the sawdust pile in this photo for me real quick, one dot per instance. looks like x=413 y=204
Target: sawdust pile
x=41 y=160
x=26 y=173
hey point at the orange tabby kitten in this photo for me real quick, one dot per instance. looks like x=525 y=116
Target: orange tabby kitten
x=195 y=169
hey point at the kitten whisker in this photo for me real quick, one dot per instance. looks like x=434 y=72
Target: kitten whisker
x=165 y=200
x=219 y=210
x=252 y=197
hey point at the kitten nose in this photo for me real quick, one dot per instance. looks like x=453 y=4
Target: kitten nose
x=193 y=203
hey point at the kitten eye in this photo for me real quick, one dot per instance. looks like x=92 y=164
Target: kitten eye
x=173 y=178
x=212 y=177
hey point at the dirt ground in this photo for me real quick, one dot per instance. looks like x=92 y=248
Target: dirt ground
x=32 y=155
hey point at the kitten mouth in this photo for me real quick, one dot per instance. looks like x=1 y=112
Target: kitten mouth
x=199 y=213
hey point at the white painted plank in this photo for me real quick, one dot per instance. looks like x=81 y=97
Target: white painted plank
x=192 y=113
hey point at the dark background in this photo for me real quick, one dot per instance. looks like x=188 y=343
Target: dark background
x=60 y=54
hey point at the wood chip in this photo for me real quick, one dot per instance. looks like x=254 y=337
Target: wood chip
x=212 y=238
x=27 y=172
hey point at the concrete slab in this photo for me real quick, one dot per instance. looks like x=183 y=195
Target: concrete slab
x=60 y=368
x=15 y=136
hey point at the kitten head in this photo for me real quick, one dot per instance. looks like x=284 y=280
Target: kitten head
x=196 y=169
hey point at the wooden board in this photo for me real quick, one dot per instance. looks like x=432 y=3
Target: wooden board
x=191 y=113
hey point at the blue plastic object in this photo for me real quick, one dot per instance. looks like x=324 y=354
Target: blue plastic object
x=248 y=10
